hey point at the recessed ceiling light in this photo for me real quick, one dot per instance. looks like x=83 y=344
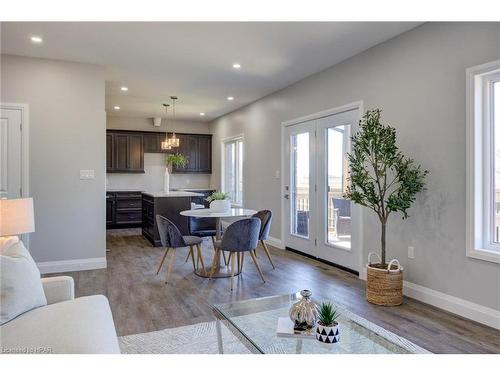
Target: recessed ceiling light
x=116 y=107
x=230 y=98
x=202 y=113
x=236 y=66
x=36 y=39
x=124 y=88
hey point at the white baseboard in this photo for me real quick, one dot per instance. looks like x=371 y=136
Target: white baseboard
x=276 y=242
x=470 y=310
x=72 y=265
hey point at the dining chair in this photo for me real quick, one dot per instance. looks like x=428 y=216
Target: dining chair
x=240 y=237
x=265 y=217
x=171 y=238
x=203 y=227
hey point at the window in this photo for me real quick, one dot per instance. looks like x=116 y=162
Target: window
x=483 y=162
x=232 y=176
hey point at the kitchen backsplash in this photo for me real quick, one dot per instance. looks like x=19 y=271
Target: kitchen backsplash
x=152 y=179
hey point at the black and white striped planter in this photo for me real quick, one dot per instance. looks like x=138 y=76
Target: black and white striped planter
x=328 y=335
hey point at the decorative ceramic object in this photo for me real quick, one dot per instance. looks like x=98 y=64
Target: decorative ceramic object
x=220 y=205
x=328 y=335
x=304 y=313
x=166 y=181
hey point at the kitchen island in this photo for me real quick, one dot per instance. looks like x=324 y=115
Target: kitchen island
x=169 y=205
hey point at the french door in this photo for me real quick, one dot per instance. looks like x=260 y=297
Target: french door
x=319 y=220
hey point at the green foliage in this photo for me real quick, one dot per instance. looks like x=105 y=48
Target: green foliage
x=218 y=196
x=177 y=160
x=381 y=177
x=328 y=314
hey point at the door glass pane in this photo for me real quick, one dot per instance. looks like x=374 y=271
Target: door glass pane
x=496 y=130
x=239 y=199
x=300 y=184
x=230 y=176
x=338 y=221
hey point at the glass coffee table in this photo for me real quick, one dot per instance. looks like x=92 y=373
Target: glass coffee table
x=254 y=323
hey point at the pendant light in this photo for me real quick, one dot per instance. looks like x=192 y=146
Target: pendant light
x=173 y=141
x=165 y=143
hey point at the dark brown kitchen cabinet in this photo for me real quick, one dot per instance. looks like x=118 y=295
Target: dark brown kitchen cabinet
x=198 y=149
x=125 y=150
x=123 y=209
x=205 y=154
x=124 y=153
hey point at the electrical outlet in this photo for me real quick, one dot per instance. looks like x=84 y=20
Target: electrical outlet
x=411 y=252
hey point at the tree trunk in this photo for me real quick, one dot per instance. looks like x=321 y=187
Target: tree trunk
x=382 y=243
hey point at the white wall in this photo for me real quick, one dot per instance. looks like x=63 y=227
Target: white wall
x=67 y=133
x=154 y=166
x=418 y=79
x=146 y=124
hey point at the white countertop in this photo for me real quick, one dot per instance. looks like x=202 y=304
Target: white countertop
x=207 y=212
x=195 y=189
x=170 y=194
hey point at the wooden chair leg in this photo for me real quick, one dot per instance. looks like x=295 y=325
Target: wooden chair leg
x=267 y=253
x=238 y=255
x=232 y=269
x=200 y=258
x=214 y=263
x=223 y=253
x=242 y=255
x=169 y=268
x=162 y=260
x=191 y=252
x=252 y=254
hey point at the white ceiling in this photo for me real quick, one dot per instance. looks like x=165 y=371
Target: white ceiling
x=194 y=60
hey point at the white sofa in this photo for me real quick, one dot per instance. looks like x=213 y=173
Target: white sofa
x=65 y=325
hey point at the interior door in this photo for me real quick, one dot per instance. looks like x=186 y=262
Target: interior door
x=337 y=217
x=319 y=220
x=10 y=153
x=300 y=207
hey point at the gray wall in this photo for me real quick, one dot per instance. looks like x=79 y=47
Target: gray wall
x=67 y=133
x=418 y=79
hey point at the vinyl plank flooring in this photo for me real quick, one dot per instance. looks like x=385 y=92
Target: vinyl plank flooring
x=141 y=302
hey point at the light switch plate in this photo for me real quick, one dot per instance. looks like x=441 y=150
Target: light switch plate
x=411 y=252
x=87 y=174
x=277 y=174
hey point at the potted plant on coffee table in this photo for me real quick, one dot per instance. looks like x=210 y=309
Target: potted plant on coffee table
x=219 y=201
x=327 y=329
x=384 y=180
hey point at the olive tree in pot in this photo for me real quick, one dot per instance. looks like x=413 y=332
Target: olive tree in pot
x=384 y=180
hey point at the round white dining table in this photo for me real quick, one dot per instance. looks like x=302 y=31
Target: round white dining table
x=220 y=270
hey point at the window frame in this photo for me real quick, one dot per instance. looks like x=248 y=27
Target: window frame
x=480 y=163
x=224 y=142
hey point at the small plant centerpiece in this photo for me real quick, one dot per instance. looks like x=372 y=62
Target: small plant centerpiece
x=327 y=329
x=219 y=201
x=384 y=180
x=171 y=160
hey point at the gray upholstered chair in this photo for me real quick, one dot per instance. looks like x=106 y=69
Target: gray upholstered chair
x=171 y=238
x=265 y=217
x=240 y=237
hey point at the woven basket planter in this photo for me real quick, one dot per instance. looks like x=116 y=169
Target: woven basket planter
x=384 y=286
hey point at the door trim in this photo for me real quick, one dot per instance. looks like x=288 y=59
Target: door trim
x=357 y=105
x=24 y=108
x=25 y=155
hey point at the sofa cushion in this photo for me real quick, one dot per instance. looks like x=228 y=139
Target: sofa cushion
x=20 y=285
x=82 y=325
